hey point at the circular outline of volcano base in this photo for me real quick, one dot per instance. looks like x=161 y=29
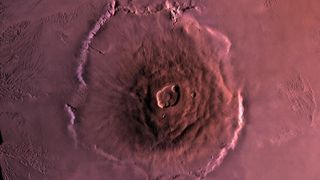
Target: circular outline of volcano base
x=138 y=57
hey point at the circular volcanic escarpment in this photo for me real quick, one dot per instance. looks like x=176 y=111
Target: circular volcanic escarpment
x=156 y=95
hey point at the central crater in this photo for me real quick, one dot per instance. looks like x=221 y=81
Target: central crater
x=168 y=96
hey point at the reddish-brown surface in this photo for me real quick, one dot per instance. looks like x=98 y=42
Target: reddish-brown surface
x=159 y=90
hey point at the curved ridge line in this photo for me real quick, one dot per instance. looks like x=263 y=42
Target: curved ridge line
x=109 y=12
x=223 y=153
